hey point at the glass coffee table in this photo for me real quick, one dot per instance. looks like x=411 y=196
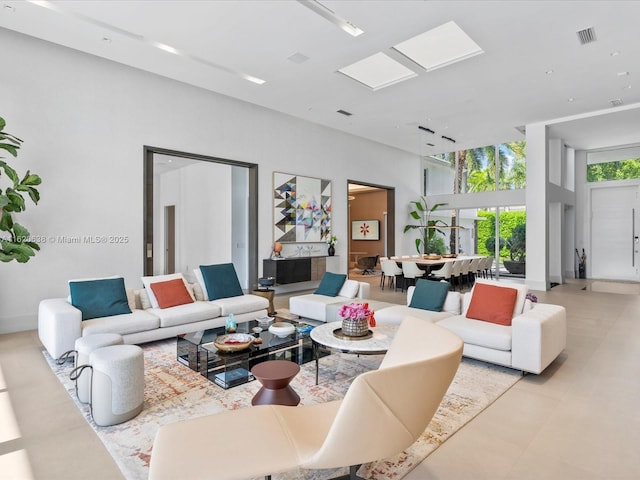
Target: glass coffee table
x=228 y=369
x=328 y=336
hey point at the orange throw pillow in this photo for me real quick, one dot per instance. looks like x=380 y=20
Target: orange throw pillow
x=171 y=293
x=492 y=304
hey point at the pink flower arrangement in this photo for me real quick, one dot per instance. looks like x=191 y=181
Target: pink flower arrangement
x=355 y=311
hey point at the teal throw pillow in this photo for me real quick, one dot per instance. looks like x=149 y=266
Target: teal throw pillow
x=99 y=298
x=429 y=295
x=221 y=281
x=331 y=284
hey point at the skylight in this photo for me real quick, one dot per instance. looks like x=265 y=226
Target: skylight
x=378 y=71
x=439 y=47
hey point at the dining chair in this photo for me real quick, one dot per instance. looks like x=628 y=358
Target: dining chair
x=383 y=412
x=410 y=272
x=390 y=270
x=443 y=273
x=456 y=270
x=382 y=259
x=464 y=271
x=474 y=268
x=488 y=267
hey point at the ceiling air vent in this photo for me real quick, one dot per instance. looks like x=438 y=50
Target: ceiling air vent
x=588 y=35
x=616 y=102
x=345 y=113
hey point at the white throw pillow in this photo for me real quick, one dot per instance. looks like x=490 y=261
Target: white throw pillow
x=452 y=303
x=349 y=289
x=147 y=281
x=200 y=279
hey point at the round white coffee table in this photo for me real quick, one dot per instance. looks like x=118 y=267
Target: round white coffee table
x=376 y=344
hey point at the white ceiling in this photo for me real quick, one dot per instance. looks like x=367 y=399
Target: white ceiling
x=478 y=101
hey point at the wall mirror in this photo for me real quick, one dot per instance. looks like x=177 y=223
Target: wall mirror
x=199 y=210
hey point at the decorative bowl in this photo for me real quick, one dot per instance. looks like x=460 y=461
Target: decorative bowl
x=449 y=255
x=233 y=342
x=264 y=322
x=432 y=257
x=282 y=329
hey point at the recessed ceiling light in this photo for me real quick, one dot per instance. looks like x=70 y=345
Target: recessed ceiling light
x=439 y=47
x=167 y=48
x=378 y=71
x=549 y=72
x=9 y=8
x=570 y=99
x=616 y=102
x=106 y=40
x=330 y=15
x=623 y=74
x=627 y=87
x=614 y=54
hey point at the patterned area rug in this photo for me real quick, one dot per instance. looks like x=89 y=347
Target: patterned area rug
x=173 y=392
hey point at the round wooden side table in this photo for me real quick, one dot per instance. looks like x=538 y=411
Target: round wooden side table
x=275 y=376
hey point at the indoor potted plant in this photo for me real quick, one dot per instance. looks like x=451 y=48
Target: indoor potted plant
x=427 y=228
x=15 y=240
x=517 y=246
x=331 y=242
x=356 y=319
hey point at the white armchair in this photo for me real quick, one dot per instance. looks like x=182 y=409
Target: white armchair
x=383 y=412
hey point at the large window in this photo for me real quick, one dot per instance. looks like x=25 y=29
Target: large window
x=618 y=170
x=476 y=169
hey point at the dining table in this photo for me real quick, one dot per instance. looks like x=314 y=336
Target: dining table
x=427 y=264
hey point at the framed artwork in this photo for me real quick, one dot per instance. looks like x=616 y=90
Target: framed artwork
x=301 y=208
x=365 y=230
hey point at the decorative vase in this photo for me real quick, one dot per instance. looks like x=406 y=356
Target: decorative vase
x=331 y=250
x=230 y=325
x=357 y=327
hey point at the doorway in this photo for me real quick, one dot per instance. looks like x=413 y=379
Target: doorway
x=614 y=233
x=214 y=218
x=370 y=222
x=170 y=239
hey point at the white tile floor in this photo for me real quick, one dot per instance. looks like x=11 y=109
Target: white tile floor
x=578 y=420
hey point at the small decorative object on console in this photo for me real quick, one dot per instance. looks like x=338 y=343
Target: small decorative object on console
x=356 y=319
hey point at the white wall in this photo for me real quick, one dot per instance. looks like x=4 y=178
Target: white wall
x=85 y=120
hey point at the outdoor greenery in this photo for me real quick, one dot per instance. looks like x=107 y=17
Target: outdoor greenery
x=620 y=170
x=426 y=227
x=480 y=165
x=15 y=241
x=509 y=221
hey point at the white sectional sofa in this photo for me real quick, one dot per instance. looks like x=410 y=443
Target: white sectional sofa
x=536 y=336
x=324 y=308
x=60 y=323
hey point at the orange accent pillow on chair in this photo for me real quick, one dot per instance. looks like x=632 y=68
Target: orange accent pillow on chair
x=171 y=293
x=492 y=304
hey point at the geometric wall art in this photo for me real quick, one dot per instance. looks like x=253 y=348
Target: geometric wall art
x=301 y=208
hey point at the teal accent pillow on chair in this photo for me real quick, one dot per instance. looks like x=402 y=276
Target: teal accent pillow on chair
x=429 y=295
x=99 y=298
x=331 y=284
x=221 y=281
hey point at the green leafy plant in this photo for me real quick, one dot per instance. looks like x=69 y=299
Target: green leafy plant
x=517 y=243
x=18 y=245
x=427 y=228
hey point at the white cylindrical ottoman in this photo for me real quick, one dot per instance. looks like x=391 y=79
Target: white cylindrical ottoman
x=117 y=386
x=83 y=347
